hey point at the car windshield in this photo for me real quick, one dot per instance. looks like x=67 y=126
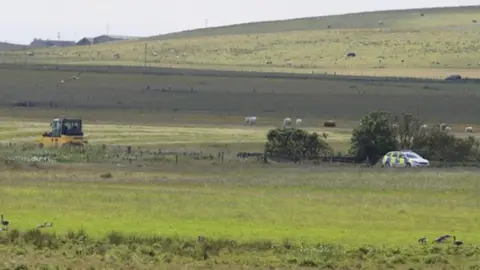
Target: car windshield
x=412 y=155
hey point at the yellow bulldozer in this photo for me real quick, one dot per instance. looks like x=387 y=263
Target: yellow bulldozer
x=65 y=132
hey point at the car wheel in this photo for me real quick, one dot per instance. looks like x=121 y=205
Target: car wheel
x=409 y=165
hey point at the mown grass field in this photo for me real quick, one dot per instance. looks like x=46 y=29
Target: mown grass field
x=136 y=98
x=438 y=44
x=325 y=206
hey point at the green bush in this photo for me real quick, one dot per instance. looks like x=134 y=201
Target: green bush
x=436 y=144
x=295 y=144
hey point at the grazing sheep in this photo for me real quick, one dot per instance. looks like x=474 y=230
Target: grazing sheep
x=298 y=122
x=395 y=126
x=448 y=128
x=287 y=121
x=469 y=129
x=424 y=126
x=250 y=120
x=442 y=126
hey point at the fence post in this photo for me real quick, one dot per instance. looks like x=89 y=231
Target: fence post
x=176 y=159
x=223 y=155
x=104 y=147
x=129 y=149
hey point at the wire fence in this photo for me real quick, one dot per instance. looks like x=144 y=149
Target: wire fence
x=28 y=153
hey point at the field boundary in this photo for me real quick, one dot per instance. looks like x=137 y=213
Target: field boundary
x=127 y=154
x=167 y=71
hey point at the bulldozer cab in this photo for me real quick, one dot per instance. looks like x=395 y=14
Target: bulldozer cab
x=65 y=127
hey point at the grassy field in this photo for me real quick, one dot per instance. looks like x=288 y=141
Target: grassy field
x=333 y=208
x=206 y=138
x=207 y=100
x=145 y=210
x=440 y=43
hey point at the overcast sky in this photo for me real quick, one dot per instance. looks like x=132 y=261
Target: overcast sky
x=22 y=20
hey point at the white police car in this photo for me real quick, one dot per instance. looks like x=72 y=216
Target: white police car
x=404 y=158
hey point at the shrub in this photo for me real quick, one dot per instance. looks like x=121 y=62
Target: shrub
x=295 y=144
x=436 y=144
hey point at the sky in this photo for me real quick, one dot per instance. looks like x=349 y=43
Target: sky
x=23 y=20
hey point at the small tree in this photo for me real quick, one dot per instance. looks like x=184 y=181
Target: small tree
x=295 y=144
x=407 y=129
x=374 y=137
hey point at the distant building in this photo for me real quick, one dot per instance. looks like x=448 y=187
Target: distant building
x=85 y=41
x=40 y=43
x=112 y=38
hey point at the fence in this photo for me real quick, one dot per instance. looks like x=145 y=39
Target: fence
x=30 y=153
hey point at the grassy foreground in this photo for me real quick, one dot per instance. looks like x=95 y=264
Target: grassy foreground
x=329 y=216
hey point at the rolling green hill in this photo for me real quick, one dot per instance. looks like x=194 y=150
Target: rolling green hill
x=419 y=43
x=4 y=46
x=447 y=18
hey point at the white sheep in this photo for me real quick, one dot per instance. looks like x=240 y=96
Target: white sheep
x=469 y=129
x=424 y=126
x=287 y=121
x=250 y=120
x=298 y=122
x=447 y=128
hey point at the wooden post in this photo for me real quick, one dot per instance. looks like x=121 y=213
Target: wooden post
x=176 y=159
x=129 y=150
x=223 y=154
x=104 y=147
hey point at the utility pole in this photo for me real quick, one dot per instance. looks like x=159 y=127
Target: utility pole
x=145 y=64
x=206 y=23
x=25 y=59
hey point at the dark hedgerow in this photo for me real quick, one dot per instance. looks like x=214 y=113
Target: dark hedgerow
x=295 y=144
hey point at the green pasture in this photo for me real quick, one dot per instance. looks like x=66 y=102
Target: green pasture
x=401 y=43
x=206 y=138
x=351 y=207
x=326 y=214
x=191 y=100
